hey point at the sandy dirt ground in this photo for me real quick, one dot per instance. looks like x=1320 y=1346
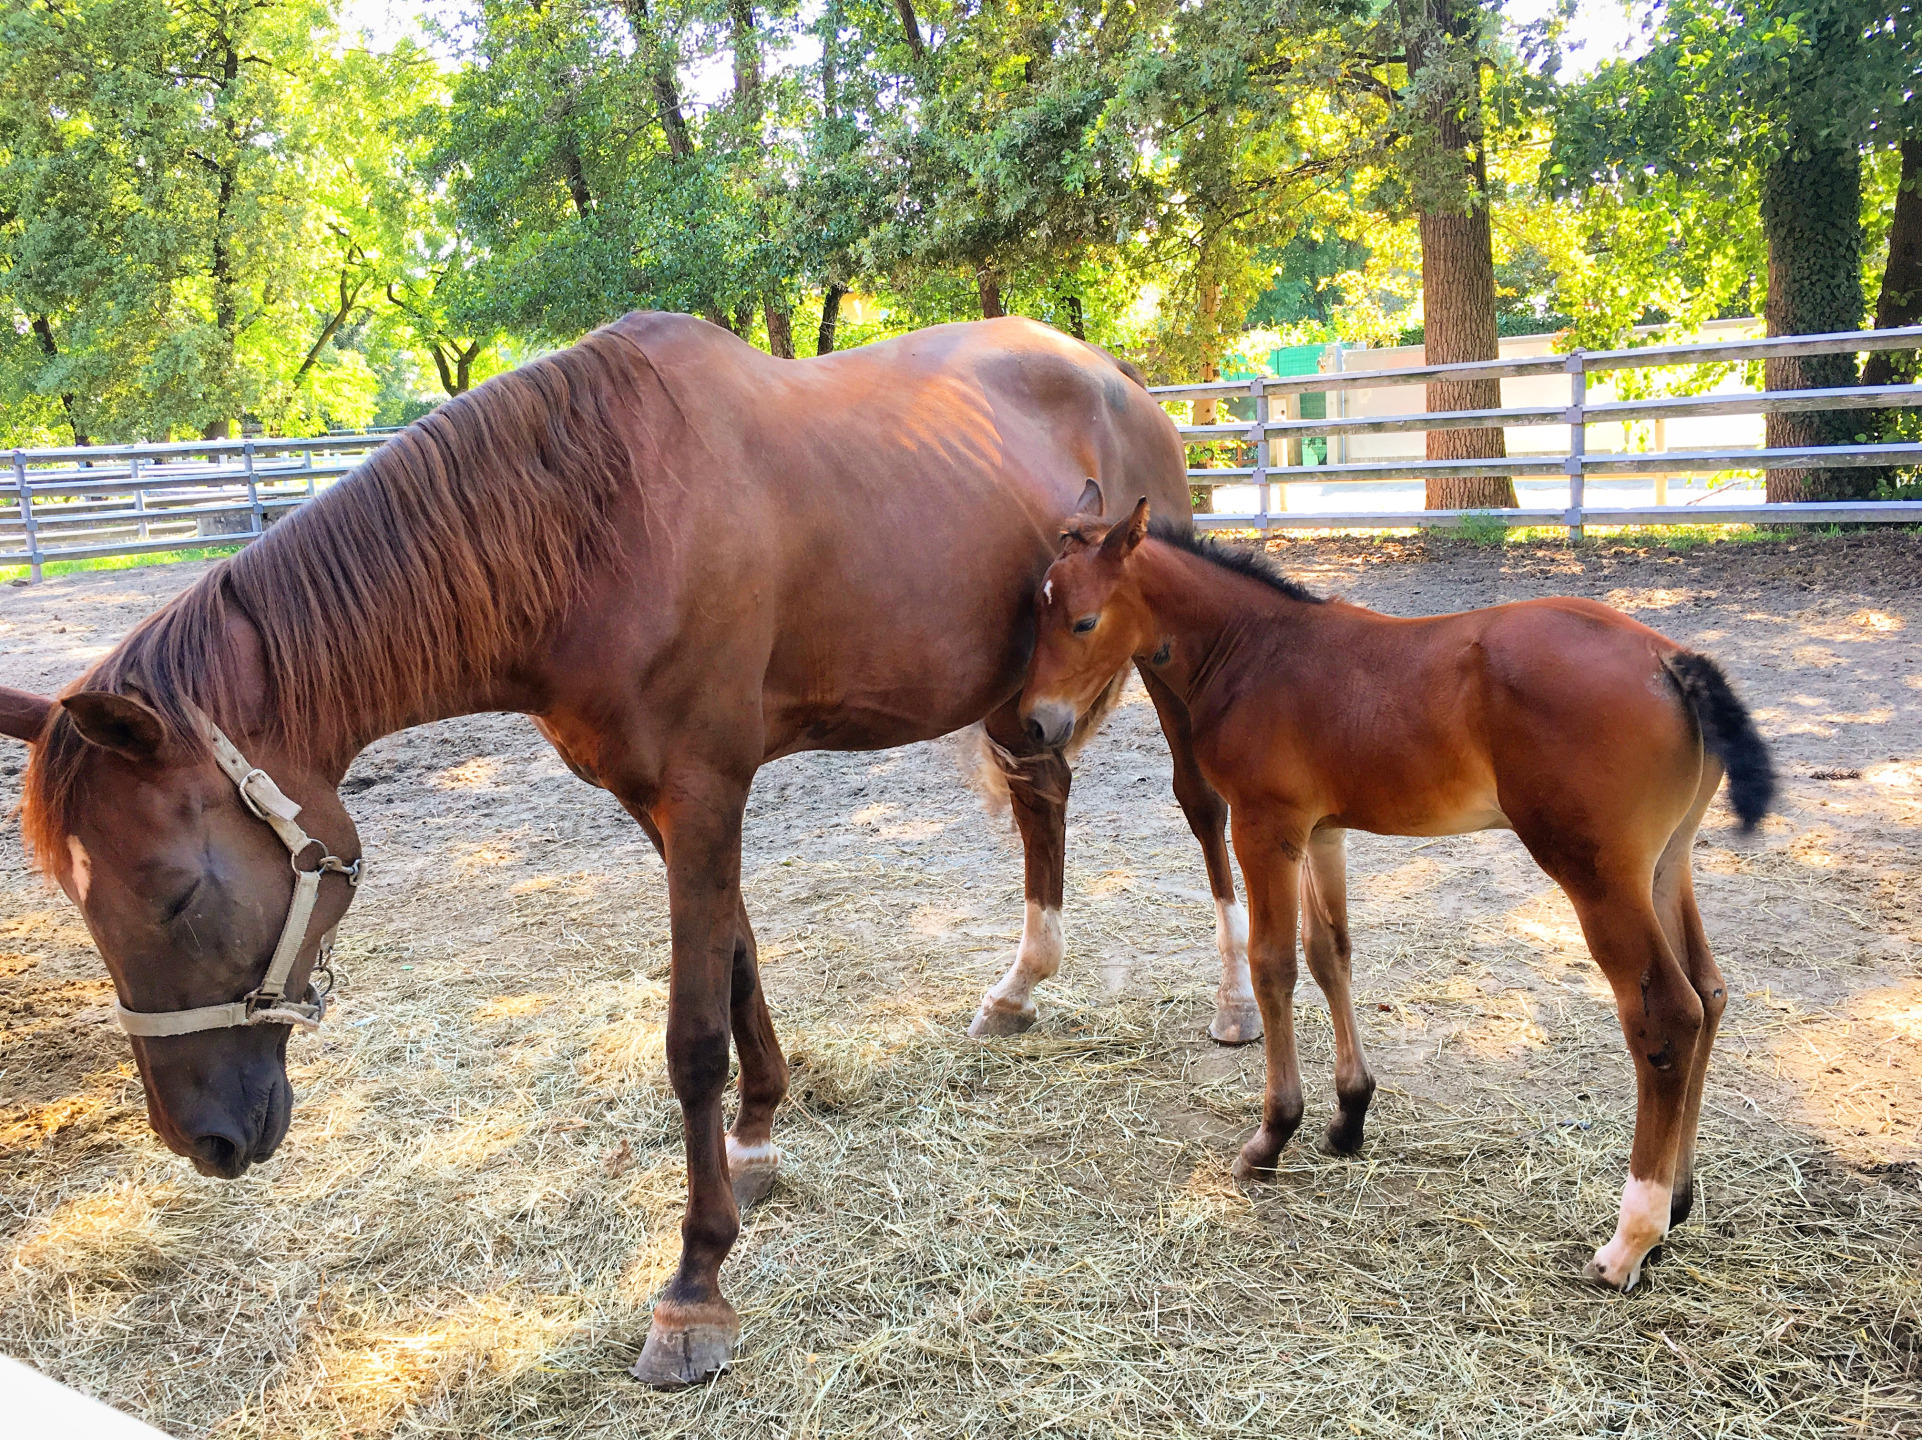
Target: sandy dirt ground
x=482 y=1183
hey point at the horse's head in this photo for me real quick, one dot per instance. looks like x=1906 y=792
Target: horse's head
x=187 y=883
x=1089 y=620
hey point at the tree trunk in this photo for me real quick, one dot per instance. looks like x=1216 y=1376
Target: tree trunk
x=1077 y=321
x=1900 y=302
x=830 y=319
x=911 y=29
x=43 y=330
x=780 y=331
x=1457 y=250
x=1811 y=217
x=988 y=282
x=664 y=82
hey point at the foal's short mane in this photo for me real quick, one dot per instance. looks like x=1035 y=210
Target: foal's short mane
x=1242 y=559
x=435 y=564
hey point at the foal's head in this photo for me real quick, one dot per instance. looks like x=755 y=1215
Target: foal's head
x=185 y=893
x=1090 y=618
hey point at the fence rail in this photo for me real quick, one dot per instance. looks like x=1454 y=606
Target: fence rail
x=1573 y=463
x=85 y=502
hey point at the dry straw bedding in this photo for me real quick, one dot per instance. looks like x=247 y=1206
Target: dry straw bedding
x=482 y=1186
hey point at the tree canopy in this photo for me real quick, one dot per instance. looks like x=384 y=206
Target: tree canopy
x=225 y=212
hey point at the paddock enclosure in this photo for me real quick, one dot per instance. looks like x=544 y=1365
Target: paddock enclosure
x=482 y=1185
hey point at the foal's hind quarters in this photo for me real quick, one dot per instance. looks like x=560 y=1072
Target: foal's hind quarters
x=1599 y=742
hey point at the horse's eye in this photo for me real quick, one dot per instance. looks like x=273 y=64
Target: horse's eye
x=1085 y=624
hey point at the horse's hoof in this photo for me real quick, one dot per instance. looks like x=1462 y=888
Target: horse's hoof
x=991 y=1020
x=1235 y=1025
x=687 y=1343
x=1246 y=1172
x=1344 y=1136
x=753 y=1169
x=1606 y=1270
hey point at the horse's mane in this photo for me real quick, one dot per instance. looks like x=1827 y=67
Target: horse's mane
x=431 y=566
x=1242 y=559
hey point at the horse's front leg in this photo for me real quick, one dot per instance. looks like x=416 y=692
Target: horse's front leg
x=1237 y=1017
x=1037 y=783
x=698 y=820
x=1269 y=846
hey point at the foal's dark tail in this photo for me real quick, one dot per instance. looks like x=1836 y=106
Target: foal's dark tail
x=1728 y=732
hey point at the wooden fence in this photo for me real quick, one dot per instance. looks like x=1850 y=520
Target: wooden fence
x=90 y=501
x=1574 y=464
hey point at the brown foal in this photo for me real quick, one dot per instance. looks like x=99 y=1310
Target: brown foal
x=1597 y=741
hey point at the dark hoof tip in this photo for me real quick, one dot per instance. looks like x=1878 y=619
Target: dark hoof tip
x=1345 y=1139
x=990 y=1022
x=1248 y=1172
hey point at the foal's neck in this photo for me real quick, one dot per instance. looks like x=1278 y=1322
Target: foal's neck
x=1209 y=618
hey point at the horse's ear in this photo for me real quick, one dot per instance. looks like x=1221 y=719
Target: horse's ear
x=1121 y=540
x=23 y=714
x=1090 y=503
x=116 y=722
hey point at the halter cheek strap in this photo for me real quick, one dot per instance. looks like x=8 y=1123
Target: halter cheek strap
x=269 y=1004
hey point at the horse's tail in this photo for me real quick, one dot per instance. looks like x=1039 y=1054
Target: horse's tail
x=1728 y=733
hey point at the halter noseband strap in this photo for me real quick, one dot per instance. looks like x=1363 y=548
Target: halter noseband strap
x=269 y=1004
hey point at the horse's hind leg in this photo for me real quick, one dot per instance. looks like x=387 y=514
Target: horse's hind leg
x=1270 y=849
x=1237 y=1017
x=1038 y=793
x=1682 y=923
x=752 y=1158
x=1324 y=939
x=1663 y=1021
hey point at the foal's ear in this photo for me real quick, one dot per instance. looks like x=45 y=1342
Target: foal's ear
x=23 y=714
x=116 y=722
x=1121 y=540
x=1090 y=503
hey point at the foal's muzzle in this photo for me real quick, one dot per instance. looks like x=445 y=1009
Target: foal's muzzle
x=1050 y=724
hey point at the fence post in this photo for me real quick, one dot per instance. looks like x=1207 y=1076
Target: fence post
x=1259 y=389
x=26 y=513
x=1577 y=368
x=253 y=488
x=139 y=495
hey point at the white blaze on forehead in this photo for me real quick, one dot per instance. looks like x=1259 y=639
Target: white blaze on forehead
x=81 y=865
x=1043 y=943
x=1047 y=591
x=1643 y=1223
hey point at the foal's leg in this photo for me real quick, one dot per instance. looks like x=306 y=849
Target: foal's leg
x=698 y=818
x=1663 y=1022
x=1682 y=924
x=752 y=1158
x=1270 y=856
x=1324 y=939
x=1038 y=793
x=1237 y=1018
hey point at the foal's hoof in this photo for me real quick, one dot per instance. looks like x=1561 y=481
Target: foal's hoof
x=1235 y=1025
x=1250 y=1172
x=687 y=1343
x=753 y=1169
x=1345 y=1135
x=992 y=1020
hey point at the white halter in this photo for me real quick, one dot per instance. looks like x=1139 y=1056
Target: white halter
x=269 y=1004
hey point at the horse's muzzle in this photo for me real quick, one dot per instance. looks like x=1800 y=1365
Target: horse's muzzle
x=1050 y=724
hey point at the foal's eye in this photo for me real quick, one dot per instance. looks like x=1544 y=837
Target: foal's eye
x=1085 y=624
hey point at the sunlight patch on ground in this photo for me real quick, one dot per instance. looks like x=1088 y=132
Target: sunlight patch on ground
x=477 y=774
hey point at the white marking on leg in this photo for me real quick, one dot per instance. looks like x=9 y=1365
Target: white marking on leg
x=81 y=869
x=1643 y=1223
x=750 y=1156
x=1035 y=959
x=1231 y=939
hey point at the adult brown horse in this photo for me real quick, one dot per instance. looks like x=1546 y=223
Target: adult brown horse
x=683 y=558
x=1597 y=741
